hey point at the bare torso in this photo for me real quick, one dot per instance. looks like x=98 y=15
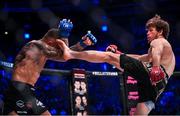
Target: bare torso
x=30 y=62
x=31 y=59
x=167 y=58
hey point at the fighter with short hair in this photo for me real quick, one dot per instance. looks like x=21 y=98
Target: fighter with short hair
x=20 y=97
x=152 y=70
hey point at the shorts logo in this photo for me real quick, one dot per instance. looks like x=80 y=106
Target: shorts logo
x=22 y=112
x=32 y=89
x=20 y=103
x=38 y=103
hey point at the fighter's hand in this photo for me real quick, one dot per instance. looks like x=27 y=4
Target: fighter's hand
x=88 y=40
x=66 y=51
x=65 y=26
x=113 y=48
x=156 y=74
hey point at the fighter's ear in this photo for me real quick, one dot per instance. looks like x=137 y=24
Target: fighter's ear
x=160 y=32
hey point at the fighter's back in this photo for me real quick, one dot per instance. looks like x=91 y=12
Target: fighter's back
x=28 y=64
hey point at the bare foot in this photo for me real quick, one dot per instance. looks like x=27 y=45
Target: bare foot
x=66 y=51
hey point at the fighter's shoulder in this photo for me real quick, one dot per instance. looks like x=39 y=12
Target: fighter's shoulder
x=30 y=43
x=36 y=43
x=157 y=42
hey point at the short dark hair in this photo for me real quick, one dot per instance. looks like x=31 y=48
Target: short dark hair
x=54 y=33
x=159 y=24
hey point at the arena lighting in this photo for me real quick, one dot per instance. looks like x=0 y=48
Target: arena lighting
x=113 y=67
x=104 y=67
x=26 y=35
x=63 y=112
x=162 y=102
x=53 y=111
x=6 y=33
x=104 y=28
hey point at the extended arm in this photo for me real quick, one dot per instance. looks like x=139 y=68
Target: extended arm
x=87 y=40
x=65 y=27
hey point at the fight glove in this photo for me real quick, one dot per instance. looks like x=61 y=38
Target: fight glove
x=88 y=40
x=156 y=74
x=65 y=26
x=113 y=48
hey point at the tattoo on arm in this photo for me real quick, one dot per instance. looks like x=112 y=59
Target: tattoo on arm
x=22 y=54
x=47 y=50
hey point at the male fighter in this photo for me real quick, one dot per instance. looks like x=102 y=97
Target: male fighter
x=20 y=97
x=152 y=70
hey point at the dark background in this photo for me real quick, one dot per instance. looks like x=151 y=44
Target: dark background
x=125 y=21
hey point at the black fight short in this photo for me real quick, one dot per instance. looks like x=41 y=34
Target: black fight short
x=20 y=97
x=140 y=72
